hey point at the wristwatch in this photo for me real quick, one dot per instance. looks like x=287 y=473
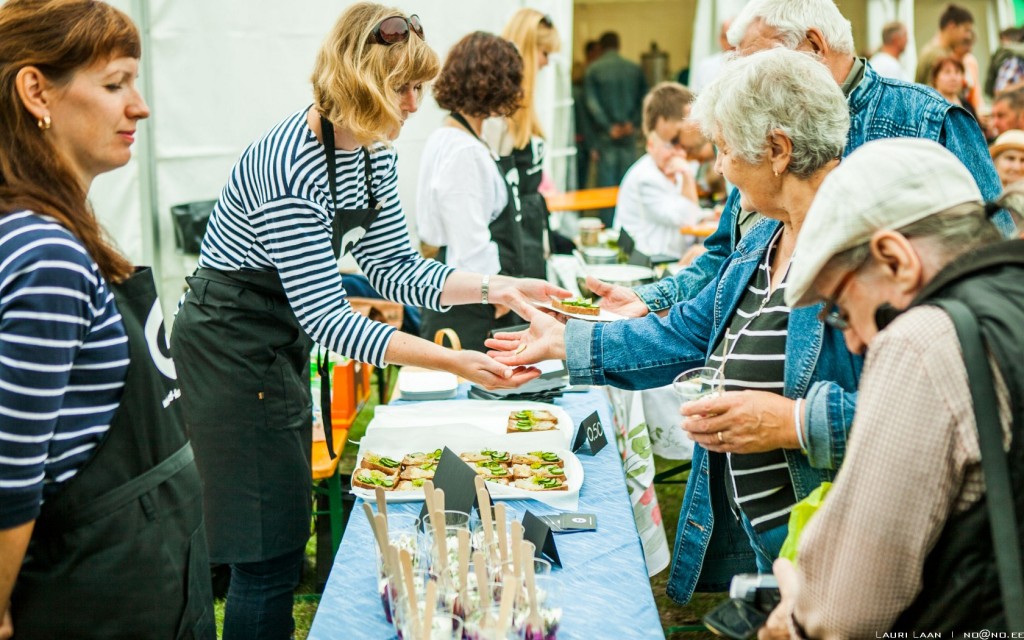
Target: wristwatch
x=485 y=286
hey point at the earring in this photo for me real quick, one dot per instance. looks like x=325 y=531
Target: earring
x=776 y=173
x=44 y=123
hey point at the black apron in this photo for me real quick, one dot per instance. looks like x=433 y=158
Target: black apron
x=243 y=361
x=120 y=551
x=533 y=208
x=473 y=322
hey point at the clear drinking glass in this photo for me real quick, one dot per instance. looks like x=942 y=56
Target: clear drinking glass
x=544 y=625
x=482 y=625
x=402 y=533
x=454 y=521
x=698 y=383
x=443 y=626
x=541 y=567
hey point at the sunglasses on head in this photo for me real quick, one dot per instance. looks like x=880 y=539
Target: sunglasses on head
x=547 y=21
x=396 y=29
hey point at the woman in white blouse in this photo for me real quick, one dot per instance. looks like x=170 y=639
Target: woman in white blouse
x=464 y=206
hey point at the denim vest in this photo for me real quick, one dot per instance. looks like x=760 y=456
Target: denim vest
x=880 y=107
x=648 y=352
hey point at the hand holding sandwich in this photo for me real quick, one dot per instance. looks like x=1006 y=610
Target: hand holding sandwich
x=617 y=299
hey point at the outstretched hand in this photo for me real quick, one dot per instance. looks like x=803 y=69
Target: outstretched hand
x=617 y=299
x=491 y=374
x=544 y=340
x=520 y=293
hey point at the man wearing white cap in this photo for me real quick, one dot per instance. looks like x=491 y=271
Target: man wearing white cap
x=903 y=539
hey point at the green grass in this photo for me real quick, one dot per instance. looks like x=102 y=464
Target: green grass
x=669 y=498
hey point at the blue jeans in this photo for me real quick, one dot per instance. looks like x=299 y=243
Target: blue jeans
x=766 y=545
x=259 y=605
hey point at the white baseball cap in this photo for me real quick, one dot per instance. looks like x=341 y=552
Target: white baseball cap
x=884 y=184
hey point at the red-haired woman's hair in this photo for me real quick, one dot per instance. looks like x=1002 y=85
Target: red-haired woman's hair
x=58 y=37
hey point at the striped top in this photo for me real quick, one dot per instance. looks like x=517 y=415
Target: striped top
x=275 y=213
x=63 y=361
x=755 y=358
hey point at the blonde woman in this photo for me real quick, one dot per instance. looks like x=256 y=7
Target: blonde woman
x=518 y=139
x=318 y=184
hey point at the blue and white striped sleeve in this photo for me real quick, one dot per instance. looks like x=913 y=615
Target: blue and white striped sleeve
x=291 y=230
x=47 y=306
x=385 y=254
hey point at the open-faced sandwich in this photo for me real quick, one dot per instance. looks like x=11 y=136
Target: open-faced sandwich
x=487 y=455
x=530 y=420
x=372 y=460
x=410 y=485
x=539 y=470
x=421 y=472
x=581 y=306
x=536 y=483
x=537 y=458
x=419 y=457
x=491 y=469
x=372 y=478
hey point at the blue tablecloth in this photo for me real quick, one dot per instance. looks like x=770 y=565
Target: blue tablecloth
x=606 y=592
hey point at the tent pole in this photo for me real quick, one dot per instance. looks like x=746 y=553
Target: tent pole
x=152 y=252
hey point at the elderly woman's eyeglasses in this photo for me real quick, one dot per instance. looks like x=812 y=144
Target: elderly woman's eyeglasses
x=396 y=29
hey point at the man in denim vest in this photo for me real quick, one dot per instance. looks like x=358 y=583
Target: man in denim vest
x=879 y=108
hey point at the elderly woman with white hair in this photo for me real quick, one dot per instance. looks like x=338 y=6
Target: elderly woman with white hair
x=779 y=428
x=895 y=241
x=879 y=108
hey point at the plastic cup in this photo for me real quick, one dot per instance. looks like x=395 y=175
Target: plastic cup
x=549 y=610
x=454 y=521
x=698 y=383
x=482 y=625
x=402 y=533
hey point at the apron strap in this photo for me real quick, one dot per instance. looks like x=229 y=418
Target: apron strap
x=324 y=369
x=76 y=515
x=330 y=153
x=327 y=132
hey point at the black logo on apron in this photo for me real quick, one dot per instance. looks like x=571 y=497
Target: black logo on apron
x=349 y=225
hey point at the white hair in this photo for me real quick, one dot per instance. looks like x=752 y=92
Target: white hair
x=777 y=90
x=792 y=19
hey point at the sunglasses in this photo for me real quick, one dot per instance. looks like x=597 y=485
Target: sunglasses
x=396 y=29
x=547 y=21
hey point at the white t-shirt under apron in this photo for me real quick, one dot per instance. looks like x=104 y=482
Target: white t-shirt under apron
x=459 y=193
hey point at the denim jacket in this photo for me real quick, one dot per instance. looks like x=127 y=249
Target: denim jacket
x=648 y=352
x=880 y=107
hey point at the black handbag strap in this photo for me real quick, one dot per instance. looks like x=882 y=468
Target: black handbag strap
x=1000 y=504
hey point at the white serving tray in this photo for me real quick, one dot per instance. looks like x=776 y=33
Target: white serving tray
x=396 y=442
x=487 y=415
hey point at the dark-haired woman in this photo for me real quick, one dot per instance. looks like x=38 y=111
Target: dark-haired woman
x=101 y=530
x=464 y=205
